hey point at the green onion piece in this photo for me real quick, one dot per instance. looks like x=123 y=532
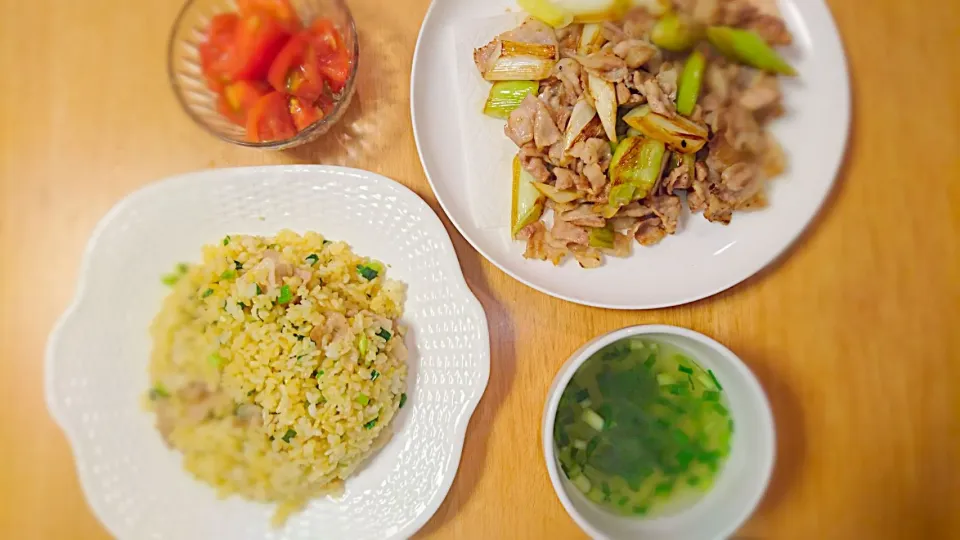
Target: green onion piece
x=592 y=419
x=183 y=268
x=715 y=381
x=215 y=360
x=312 y=259
x=285 y=295
x=384 y=334
x=505 y=96
x=749 y=48
x=690 y=82
x=374 y=375
x=367 y=272
x=370 y=424
x=693 y=481
x=259 y=290
x=320 y=373
x=403 y=399
x=363 y=345
x=665 y=379
x=158 y=391
x=288 y=435
x=721 y=409
x=710 y=395
x=685 y=369
x=640 y=510
x=582 y=483
x=170 y=279
x=206 y=293
x=226 y=239
x=586 y=403
x=363 y=399
x=228 y=274
x=251 y=392
x=580 y=445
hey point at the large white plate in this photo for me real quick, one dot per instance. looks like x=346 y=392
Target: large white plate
x=467 y=160
x=97 y=356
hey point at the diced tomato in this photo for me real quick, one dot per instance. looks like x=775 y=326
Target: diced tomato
x=325 y=102
x=259 y=39
x=326 y=36
x=304 y=113
x=295 y=70
x=280 y=10
x=238 y=98
x=217 y=50
x=332 y=55
x=270 y=119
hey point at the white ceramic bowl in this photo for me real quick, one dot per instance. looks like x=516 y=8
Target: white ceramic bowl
x=96 y=371
x=739 y=485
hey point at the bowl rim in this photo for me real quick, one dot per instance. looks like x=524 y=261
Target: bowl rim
x=305 y=135
x=577 y=359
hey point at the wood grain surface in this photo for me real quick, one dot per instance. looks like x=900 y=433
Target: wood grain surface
x=854 y=333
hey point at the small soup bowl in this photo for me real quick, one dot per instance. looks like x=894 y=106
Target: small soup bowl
x=738 y=486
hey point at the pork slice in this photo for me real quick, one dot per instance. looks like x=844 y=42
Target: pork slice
x=659 y=102
x=667 y=78
x=569 y=233
x=596 y=177
x=583 y=216
x=545 y=131
x=587 y=257
x=532 y=31
x=635 y=52
x=667 y=208
x=650 y=232
x=604 y=64
x=762 y=92
x=520 y=123
x=566 y=179
x=485 y=57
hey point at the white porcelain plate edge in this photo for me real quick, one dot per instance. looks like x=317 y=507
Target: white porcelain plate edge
x=134 y=485
x=703 y=258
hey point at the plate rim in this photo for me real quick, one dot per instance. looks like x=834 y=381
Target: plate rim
x=53 y=345
x=845 y=93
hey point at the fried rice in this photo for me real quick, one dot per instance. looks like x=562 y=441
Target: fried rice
x=278 y=365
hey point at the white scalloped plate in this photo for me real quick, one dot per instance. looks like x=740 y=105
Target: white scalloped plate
x=467 y=159
x=96 y=362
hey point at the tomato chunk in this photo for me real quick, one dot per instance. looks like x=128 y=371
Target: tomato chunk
x=304 y=113
x=238 y=98
x=333 y=58
x=295 y=71
x=259 y=39
x=279 y=10
x=217 y=50
x=269 y=119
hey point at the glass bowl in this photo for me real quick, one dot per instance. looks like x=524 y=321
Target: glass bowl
x=200 y=103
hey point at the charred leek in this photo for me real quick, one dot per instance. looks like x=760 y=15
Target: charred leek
x=505 y=96
x=635 y=169
x=681 y=134
x=676 y=33
x=527 y=205
x=548 y=12
x=601 y=237
x=520 y=61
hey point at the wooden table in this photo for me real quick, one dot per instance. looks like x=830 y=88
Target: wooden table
x=854 y=334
